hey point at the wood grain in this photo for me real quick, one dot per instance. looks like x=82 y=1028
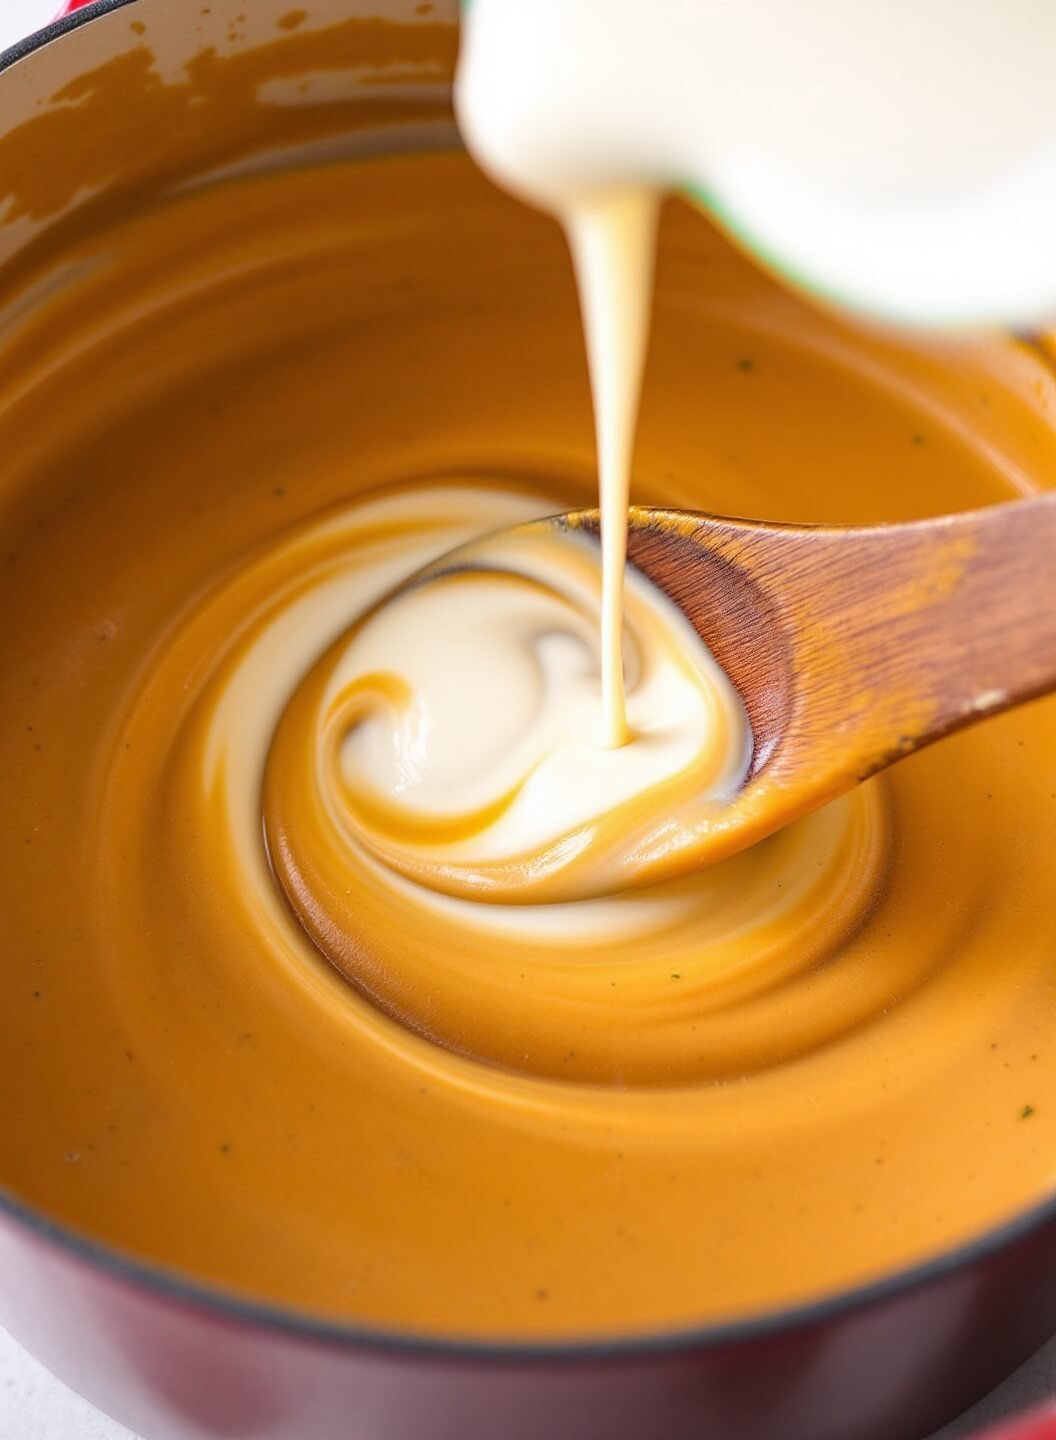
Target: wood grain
x=853 y=647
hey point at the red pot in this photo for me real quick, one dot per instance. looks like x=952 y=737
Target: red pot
x=177 y=1361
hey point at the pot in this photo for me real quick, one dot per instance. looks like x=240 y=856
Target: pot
x=175 y=1360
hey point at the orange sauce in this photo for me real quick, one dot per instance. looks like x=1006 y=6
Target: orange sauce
x=509 y=1136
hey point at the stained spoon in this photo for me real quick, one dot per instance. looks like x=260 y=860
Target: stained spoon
x=853 y=647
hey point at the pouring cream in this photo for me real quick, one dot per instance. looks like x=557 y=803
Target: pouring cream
x=876 y=195
x=899 y=158
x=478 y=733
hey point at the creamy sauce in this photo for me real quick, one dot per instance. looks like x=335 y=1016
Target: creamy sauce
x=493 y=695
x=612 y=234
x=251 y=1038
x=456 y=726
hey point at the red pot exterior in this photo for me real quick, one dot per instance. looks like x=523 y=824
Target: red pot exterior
x=890 y=1363
x=1040 y=1425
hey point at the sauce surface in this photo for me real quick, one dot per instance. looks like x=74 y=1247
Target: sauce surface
x=245 y=415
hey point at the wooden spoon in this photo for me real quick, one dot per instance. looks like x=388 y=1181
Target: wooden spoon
x=853 y=647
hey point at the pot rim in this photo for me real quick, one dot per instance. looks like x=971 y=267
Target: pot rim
x=184 y=1288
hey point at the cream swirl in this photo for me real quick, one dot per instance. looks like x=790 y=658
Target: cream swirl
x=453 y=730
x=718 y=974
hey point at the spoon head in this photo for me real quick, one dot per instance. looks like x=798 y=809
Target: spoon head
x=568 y=818
x=704 y=565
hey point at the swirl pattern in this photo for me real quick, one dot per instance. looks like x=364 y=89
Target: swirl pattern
x=295 y=716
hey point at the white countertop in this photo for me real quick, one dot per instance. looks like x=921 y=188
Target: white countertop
x=18 y=18
x=34 y=1406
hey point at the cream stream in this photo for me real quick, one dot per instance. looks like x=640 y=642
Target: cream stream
x=485 y=742
x=613 y=239
x=612 y=235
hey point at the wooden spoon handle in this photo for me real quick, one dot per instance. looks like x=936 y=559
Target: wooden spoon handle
x=852 y=647
x=904 y=633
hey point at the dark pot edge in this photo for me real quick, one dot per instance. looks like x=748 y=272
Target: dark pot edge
x=21 y=48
